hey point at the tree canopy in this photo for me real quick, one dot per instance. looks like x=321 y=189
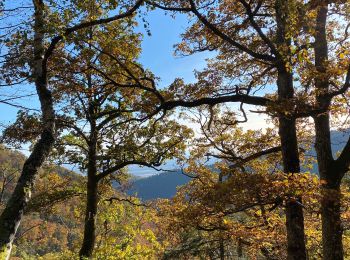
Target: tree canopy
x=278 y=192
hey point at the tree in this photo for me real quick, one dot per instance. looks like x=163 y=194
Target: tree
x=244 y=209
x=331 y=78
x=300 y=47
x=246 y=51
x=38 y=62
x=103 y=96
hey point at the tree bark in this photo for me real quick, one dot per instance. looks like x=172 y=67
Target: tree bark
x=11 y=216
x=332 y=230
x=88 y=244
x=90 y=218
x=330 y=174
x=296 y=249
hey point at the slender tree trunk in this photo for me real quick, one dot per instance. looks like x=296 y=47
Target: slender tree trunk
x=11 y=217
x=88 y=245
x=90 y=218
x=221 y=239
x=296 y=249
x=222 y=249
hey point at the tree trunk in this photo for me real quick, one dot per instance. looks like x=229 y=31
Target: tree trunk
x=332 y=230
x=11 y=216
x=91 y=202
x=296 y=249
x=330 y=176
x=90 y=218
x=88 y=245
x=222 y=249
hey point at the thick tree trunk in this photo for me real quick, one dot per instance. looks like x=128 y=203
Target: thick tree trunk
x=330 y=176
x=332 y=230
x=12 y=214
x=296 y=249
x=330 y=198
x=331 y=195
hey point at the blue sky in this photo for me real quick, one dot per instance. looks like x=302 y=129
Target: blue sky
x=158 y=51
x=157 y=55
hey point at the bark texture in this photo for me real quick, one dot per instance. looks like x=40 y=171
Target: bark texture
x=332 y=230
x=329 y=171
x=296 y=249
x=90 y=218
x=11 y=217
x=89 y=238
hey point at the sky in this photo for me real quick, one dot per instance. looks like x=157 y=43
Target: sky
x=158 y=56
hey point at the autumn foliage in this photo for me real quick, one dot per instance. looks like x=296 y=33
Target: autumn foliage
x=280 y=192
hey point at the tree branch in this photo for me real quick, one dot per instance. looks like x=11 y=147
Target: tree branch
x=228 y=39
x=256 y=156
x=252 y=100
x=83 y=25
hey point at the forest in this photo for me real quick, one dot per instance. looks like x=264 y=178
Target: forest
x=238 y=111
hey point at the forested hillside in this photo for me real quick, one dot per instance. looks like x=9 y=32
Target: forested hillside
x=53 y=219
x=49 y=219
x=161 y=185
x=53 y=222
x=251 y=99
x=164 y=184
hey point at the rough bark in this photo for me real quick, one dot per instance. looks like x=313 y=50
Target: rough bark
x=90 y=218
x=296 y=249
x=332 y=230
x=222 y=249
x=330 y=174
x=89 y=238
x=12 y=214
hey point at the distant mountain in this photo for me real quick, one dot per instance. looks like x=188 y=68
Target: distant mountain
x=164 y=185
x=339 y=140
x=161 y=185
